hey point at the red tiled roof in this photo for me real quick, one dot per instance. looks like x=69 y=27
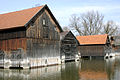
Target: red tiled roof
x=18 y=18
x=92 y=39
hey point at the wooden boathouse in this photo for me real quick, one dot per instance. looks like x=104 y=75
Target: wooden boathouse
x=29 y=38
x=69 y=46
x=93 y=45
x=115 y=43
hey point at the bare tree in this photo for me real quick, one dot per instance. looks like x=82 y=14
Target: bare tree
x=65 y=28
x=110 y=28
x=91 y=23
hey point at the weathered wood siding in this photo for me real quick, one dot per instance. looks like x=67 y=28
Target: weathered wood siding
x=38 y=30
x=13 y=33
x=36 y=44
x=92 y=50
x=13 y=44
x=12 y=39
x=69 y=47
x=43 y=41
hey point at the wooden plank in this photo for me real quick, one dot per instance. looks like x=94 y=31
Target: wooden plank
x=13 y=44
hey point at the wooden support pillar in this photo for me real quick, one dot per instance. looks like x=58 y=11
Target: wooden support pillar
x=90 y=57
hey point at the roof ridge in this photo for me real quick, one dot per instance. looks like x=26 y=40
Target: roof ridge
x=93 y=35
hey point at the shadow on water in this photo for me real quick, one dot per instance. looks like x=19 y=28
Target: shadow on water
x=82 y=70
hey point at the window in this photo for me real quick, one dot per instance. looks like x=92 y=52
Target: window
x=45 y=28
x=44 y=22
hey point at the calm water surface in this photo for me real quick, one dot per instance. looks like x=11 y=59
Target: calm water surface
x=82 y=70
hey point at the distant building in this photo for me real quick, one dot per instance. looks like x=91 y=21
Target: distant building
x=115 y=42
x=69 y=46
x=93 y=45
x=29 y=38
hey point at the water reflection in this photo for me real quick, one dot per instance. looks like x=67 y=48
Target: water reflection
x=113 y=68
x=93 y=70
x=59 y=72
x=82 y=70
x=50 y=73
x=100 y=69
x=70 y=72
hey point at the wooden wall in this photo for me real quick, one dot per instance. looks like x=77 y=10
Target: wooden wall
x=12 y=39
x=42 y=49
x=13 y=33
x=39 y=46
x=69 y=46
x=92 y=50
x=37 y=29
x=13 y=44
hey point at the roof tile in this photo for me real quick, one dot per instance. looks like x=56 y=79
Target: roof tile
x=18 y=18
x=92 y=39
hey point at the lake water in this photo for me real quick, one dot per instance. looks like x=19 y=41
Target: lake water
x=82 y=70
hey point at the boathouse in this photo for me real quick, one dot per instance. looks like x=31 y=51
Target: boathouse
x=93 y=45
x=69 y=46
x=29 y=38
x=115 y=42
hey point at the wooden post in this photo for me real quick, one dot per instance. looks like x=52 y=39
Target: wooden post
x=90 y=57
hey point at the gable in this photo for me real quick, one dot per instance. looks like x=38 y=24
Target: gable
x=53 y=19
x=68 y=35
x=36 y=29
x=57 y=27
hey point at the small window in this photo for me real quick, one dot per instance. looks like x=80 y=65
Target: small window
x=45 y=28
x=44 y=22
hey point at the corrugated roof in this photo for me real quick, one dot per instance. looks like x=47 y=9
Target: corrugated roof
x=18 y=18
x=92 y=39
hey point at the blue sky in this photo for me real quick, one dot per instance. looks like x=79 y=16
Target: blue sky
x=63 y=9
